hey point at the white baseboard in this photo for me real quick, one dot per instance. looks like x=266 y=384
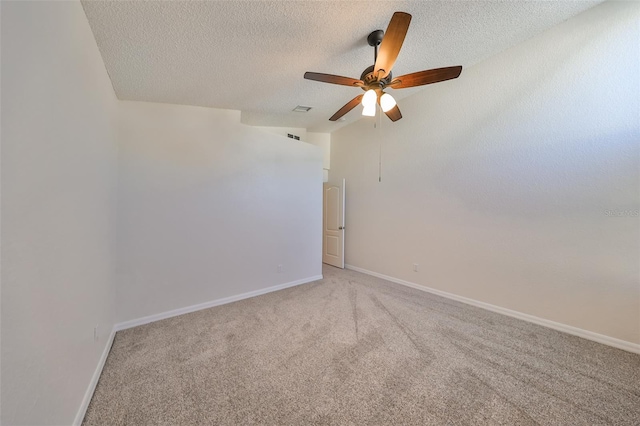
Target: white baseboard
x=94 y=380
x=590 y=335
x=210 y=304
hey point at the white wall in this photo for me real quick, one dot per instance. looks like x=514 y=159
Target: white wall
x=498 y=184
x=58 y=207
x=284 y=131
x=322 y=140
x=209 y=207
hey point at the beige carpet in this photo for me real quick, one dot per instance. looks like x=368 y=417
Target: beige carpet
x=356 y=350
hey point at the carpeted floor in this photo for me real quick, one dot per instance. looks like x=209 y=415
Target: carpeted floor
x=356 y=350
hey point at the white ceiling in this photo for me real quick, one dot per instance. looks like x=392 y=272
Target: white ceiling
x=251 y=55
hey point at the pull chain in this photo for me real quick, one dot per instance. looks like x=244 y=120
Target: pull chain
x=380 y=145
x=378 y=127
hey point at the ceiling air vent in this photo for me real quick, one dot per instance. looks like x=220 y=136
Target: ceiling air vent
x=301 y=108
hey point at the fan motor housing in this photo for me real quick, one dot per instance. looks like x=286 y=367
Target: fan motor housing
x=369 y=78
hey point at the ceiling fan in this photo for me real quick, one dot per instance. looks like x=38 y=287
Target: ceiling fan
x=376 y=78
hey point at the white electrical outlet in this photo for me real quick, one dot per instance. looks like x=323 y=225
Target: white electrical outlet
x=415 y=267
x=96 y=335
x=279 y=268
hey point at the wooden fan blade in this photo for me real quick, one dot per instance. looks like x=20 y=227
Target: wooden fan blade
x=394 y=113
x=391 y=44
x=421 y=78
x=348 y=107
x=333 y=79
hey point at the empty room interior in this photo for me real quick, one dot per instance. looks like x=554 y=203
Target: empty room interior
x=320 y=212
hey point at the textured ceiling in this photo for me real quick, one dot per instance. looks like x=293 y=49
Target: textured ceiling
x=251 y=55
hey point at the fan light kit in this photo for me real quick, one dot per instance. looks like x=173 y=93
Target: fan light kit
x=387 y=102
x=376 y=78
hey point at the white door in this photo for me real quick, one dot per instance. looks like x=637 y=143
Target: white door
x=333 y=225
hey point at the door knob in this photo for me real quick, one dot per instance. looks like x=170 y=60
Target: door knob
x=340 y=227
